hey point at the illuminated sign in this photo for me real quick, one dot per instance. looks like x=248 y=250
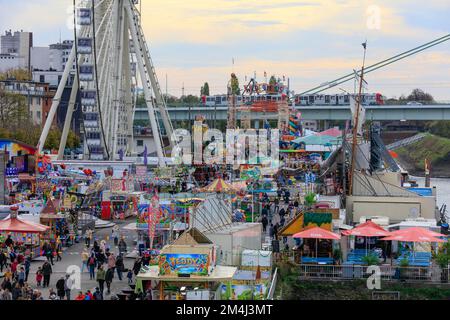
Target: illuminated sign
x=194 y=264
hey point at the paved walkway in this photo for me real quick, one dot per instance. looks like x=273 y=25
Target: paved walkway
x=72 y=256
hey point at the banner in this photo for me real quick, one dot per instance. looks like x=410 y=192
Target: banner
x=175 y=263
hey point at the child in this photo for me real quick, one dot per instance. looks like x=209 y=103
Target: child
x=130 y=276
x=39 y=276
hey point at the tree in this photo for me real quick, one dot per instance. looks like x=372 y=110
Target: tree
x=13 y=110
x=420 y=96
x=204 y=91
x=234 y=85
x=17 y=74
x=272 y=80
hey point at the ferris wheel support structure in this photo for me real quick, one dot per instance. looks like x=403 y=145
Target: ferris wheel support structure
x=110 y=51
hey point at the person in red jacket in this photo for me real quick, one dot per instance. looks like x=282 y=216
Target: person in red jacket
x=80 y=296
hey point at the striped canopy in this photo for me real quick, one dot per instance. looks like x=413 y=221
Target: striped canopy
x=218 y=185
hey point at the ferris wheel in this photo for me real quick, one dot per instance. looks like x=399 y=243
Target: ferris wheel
x=111 y=60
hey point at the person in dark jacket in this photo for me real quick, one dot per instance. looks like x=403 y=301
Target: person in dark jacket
x=120 y=267
x=109 y=278
x=46 y=272
x=264 y=222
x=60 y=288
x=97 y=294
x=27 y=267
x=16 y=292
x=137 y=266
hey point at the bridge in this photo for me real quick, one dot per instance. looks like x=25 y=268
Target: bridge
x=376 y=112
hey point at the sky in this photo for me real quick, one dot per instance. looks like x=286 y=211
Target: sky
x=308 y=41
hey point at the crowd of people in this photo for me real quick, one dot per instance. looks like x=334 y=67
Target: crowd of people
x=97 y=259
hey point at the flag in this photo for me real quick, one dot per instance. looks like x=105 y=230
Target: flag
x=364 y=45
x=265 y=74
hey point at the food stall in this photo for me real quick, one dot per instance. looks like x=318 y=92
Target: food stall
x=25 y=234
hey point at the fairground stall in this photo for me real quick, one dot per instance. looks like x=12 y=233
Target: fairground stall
x=26 y=235
x=187 y=270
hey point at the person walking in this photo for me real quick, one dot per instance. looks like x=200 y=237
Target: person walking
x=58 y=250
x=27 y=265
x=130 y=276
x=60 y=291
x=68 y=286
x=271 y=231
x=119 y=266
x=122 y=246
x=115 y=235
x=264 y=222
x=101 y=274
x=88 y=237
x=91 y=266
x=39 y=276
x=21 y=276
x=112 y=262
x=84 y=259
x=46 y=272
x=109 y=275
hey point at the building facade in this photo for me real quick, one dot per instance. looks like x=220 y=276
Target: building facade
x=39 y=97
x=17 y=45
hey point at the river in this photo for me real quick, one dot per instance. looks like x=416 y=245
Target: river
x=442 y=188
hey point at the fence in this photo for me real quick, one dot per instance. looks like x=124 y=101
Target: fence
x=387 y=272
x=406 y=141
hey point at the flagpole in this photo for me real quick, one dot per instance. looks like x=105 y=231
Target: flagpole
x=355 y=125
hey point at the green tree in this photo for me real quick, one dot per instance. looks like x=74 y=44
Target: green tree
x=234 y=85
x=13 y=110
x=272 y=80
x=73 y=141
x=17 y=74
x=204 y=91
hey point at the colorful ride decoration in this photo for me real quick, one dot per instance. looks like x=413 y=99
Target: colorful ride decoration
x=313 y=219
x=44 y=163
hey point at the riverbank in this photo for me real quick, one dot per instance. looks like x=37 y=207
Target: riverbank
x=435 y=148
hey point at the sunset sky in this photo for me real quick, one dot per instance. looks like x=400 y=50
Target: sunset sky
x=311 y=41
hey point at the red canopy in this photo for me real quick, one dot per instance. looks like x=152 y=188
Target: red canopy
x=367 y=229
x=418 y=230
x=17 y=225
x=413 y=235
x=317 y=233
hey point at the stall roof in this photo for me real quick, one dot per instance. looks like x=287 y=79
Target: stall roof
x=219 y=274
x=18 y=225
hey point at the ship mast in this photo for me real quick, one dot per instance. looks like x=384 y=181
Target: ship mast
x=355 y=125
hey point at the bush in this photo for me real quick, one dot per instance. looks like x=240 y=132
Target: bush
x=371 y=259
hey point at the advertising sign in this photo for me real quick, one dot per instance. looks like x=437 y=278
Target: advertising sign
x=175 y=263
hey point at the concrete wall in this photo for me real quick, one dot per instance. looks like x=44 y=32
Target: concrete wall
x=396 y=208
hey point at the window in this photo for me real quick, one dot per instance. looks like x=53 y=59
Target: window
x=38 y=114
x=140 y=143
x=41 y=78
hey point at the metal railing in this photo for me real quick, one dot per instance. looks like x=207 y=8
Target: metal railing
x=387 y=272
